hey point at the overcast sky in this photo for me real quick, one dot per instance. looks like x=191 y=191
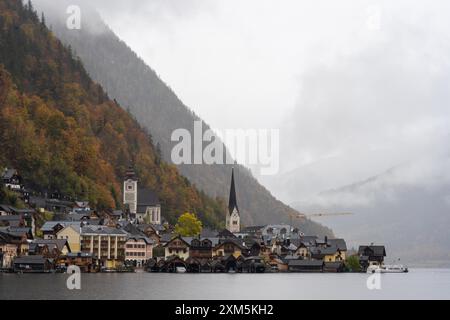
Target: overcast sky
x=359 y=85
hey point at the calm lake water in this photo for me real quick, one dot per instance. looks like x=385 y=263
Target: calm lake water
x=418 y=284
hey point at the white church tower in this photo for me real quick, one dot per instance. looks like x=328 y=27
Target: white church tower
x=130 y=190
x=233 y=219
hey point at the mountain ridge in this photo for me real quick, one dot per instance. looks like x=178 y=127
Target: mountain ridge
x=138 y=88
x=406 y=208
x=64 y=134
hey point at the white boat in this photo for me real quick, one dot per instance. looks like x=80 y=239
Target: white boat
x=181 y=270
x=387 y=269
x=395 y=269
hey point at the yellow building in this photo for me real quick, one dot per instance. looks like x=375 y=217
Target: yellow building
x=177 y=247
x=228 y=247
x=107 y=244
x=73 y=236
x=335 y=257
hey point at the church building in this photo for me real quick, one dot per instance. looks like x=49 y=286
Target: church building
x=143 y=204
x=233 y=219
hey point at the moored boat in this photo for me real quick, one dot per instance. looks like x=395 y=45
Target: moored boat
x=387 y=269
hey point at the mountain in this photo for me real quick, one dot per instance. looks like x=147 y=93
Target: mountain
x=63 y=133
x=406 y=208
x=138 y=88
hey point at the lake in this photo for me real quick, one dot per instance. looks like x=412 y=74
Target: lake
x=418 y=284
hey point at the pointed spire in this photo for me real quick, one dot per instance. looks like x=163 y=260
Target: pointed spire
x=130 y=173
x=232 y=204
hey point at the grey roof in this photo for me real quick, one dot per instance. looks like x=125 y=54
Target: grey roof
x=225 y=234
x=49 y=225
x=339 y=243
x=11 y=218
x=252 y=229
x=377 y=250
x=324 y=251
x=9 y=173
x=143 y=226
x=206 y=232
x=292 y=247
x=166 y=237
x=17 y=232
x=133 y=230
x=178 y=237
x=53 y=243
x=102 y=230
x=5 y=237
x=137 y=238
x=214 y=240
x=237 y=242
x=116 y=213
x=147 y=197
x=30 y=260
x=23 y=211
x=306 y=263
x=6 y=208
x=79 y=216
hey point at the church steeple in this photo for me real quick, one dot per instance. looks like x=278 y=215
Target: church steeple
x=233 y=218
x=232 y=203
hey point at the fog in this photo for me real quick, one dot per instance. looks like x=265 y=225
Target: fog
x=356 y=87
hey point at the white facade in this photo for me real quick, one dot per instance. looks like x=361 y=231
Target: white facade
x=233 y=221
x=130 y=193
x=152 y=215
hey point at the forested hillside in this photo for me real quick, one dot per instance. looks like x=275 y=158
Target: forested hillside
x=139 y=89
x=64 y=134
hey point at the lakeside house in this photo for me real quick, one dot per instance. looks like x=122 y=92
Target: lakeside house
x=32 y=264
x=107 y=243
x=136 y=237
x=371 y=254
x=138 y=250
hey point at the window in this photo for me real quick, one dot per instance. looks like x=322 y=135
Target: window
x=235 y=222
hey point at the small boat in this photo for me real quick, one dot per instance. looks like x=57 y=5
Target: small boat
x=180 y=270
x=395 y=269
x=387 y=269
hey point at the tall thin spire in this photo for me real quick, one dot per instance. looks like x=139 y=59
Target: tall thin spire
x=232 y=204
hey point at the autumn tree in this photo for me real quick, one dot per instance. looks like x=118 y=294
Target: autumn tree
x=188 y=225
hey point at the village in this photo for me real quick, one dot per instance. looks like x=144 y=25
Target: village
x=138 y=239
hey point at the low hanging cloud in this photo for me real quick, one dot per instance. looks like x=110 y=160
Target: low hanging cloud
x=430 y=174
x=378 y=106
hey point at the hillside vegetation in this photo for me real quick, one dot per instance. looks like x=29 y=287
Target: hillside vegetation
x=64 y=134
x=138 y=88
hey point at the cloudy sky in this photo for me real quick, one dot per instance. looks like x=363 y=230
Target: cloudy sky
x=355 y=87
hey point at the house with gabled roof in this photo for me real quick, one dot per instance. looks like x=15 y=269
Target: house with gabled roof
x=177 y=247
x=228 y=247
x=11 y=179
x=371 y=254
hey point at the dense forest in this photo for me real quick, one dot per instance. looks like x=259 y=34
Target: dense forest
x=138 y=88
x=64 y=134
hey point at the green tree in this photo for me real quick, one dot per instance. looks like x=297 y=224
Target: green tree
x=188 y=225
x=352 y=264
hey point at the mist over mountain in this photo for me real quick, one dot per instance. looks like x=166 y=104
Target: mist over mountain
x=138 y=88
x=407 y=208
x=61 y=131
